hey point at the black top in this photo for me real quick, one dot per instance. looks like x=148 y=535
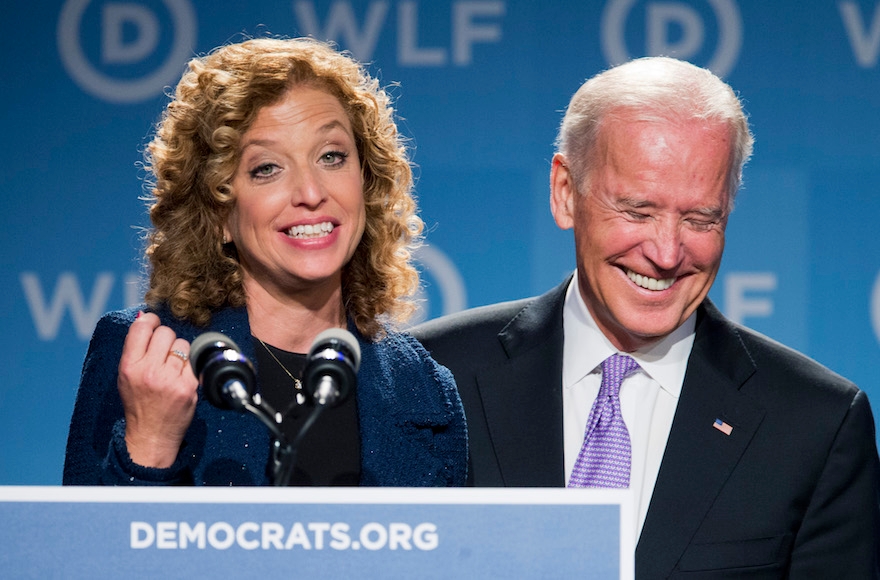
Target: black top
x=329 y=453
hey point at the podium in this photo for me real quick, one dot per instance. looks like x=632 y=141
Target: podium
x=259 y=532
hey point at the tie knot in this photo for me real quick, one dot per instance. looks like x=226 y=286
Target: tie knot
x=615 y=368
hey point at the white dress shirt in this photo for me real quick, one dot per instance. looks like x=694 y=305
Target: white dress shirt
x=648 y=397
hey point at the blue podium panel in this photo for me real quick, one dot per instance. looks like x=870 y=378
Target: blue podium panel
x=325 y=533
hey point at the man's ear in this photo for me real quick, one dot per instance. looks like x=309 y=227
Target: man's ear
x=562 y=192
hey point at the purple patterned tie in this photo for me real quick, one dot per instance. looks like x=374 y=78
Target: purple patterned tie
x=604 y=460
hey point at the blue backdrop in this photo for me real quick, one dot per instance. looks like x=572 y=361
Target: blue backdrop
x=482 y=85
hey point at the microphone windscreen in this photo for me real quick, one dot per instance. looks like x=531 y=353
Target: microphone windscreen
x=205 y=344
x=334 y=337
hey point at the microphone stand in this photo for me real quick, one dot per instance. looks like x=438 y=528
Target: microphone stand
x=310 y=420
x=229 y=379
x=283 y=455
x=283 y=452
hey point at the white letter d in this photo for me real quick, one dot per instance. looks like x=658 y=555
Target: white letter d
x=142 y=535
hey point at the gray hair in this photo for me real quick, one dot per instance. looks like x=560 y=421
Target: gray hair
x=652 y=89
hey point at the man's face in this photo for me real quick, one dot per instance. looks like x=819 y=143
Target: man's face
x=649 y=230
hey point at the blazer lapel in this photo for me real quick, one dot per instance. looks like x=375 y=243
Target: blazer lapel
x=699 y=458
x=522 y=397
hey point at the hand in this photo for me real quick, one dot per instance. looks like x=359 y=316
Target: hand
x=158 y=389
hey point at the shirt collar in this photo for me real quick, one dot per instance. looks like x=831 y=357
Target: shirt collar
x=585 y=347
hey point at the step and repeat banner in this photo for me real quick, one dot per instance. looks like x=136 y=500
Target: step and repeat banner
x=480 y=88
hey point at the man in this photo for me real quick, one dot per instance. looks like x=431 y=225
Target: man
x=744 y=457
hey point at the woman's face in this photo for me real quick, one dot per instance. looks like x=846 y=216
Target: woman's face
x=299 y=211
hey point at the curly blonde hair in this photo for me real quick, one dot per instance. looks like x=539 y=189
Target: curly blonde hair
x=194 y=155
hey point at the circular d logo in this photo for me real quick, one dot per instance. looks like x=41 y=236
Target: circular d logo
x=114 y=16
x=659 y=17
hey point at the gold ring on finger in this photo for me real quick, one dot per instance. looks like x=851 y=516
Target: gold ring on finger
x=179 y=354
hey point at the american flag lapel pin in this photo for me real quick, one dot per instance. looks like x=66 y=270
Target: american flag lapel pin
x=722 y=426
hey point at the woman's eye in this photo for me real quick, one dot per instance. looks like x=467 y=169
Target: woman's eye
x=334 y=158
x=264 y=170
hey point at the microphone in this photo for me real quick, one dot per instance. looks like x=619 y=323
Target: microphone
x=330 y=374
x=226 y=375
x=229 y=382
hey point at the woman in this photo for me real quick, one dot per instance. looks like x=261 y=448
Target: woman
x=281 y=207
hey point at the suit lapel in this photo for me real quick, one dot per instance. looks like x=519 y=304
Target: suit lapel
x=699 y=458
x=522 y=397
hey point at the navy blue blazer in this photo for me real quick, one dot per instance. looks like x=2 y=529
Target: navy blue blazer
x=792 y=492
x=411 y=421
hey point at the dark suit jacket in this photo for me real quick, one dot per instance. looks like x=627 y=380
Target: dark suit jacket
x=793 y=491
